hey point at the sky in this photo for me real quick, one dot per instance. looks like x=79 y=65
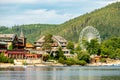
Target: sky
x=18 y=12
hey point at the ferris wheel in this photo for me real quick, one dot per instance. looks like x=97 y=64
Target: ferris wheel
x=87 y=34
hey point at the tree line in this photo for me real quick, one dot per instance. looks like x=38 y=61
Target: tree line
x=109 y=48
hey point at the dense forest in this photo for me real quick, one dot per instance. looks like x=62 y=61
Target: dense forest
x=106 y=20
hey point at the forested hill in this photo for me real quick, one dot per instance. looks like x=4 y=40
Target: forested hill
x=32 y=31
x=106 y=20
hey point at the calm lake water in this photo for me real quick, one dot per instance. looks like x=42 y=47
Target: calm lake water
x=60 y=73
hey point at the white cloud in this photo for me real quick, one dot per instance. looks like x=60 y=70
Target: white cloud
x=106 y=2
x=36 y=16
x=37 y=1
x=16 y=1
x=50 y=1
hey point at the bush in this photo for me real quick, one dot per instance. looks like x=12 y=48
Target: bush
x=103 y=60
x=10 y=61
x=24 y=63
x=5 y=59
x=61 y=60
x=82 y=62
x=70 y=61
x=10 y=47
x=84 y=56
x=46 y=57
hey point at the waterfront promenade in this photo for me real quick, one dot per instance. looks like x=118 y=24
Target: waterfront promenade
x=114 y=63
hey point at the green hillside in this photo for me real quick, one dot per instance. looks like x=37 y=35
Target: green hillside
x=31 y=31
x=106 y=20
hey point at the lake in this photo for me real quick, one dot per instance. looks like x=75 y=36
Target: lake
x=60 y=73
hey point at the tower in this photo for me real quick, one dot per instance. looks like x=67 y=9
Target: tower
x=21 y=34
x=23 y=39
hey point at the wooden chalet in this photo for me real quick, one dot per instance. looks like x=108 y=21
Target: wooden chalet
x=58 y=41
x=15 y=47
x=13 y=41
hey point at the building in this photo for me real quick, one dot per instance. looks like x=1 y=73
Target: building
x=13 y=46
x=12 y=41
x=16 y=54
x=16 y=48
x=95 y=58
x=29 y=46
x=21 y=54
x=58 y=41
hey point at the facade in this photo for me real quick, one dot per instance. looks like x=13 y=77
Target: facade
x=8 y=41
x=16 y=54
x=21 y=54
x=58 y=41
x=15 y=47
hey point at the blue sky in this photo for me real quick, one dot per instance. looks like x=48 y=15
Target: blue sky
x=18 y=12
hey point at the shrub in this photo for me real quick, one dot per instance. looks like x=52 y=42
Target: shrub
x=103 y=60
x=24 y=63
x=10 y=47
x=10 y=61
x=5 y=59
x=61 y=60
x=46 y=57
x=70 y=61
x=84 y=56
x=82 y=62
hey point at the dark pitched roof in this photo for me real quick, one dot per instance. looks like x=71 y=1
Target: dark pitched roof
x=56 y=38
x=41 y=39
x=7 y=37
x=59 y=38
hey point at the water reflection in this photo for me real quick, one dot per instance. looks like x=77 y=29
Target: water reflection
x=12 y=69
x=60 y=73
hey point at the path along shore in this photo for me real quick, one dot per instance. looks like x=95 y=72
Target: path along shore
x=114 y=63
x=111 y=63
x=5 y=65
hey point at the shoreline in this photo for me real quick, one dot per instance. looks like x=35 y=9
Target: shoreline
x=7 y=65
